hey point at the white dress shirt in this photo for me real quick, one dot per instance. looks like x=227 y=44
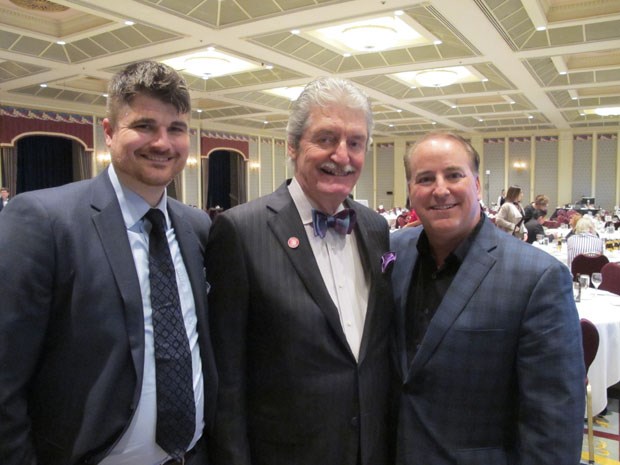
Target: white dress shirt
x=137 y=445
x=338 y=258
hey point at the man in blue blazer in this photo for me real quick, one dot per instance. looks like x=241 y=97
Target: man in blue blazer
x=77 y=369
x=488 y=336
x=301 y=316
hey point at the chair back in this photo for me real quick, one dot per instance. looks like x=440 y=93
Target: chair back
x=611 y=278
x=590 y=339
x=587 y=264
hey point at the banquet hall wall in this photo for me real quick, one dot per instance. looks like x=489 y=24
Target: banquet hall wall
x=564 y=166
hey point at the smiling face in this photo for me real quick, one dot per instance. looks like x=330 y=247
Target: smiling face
x=444 y=192
x=149 y=145
x=331 y=154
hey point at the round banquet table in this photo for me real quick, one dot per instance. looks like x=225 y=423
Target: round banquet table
x=604 y=311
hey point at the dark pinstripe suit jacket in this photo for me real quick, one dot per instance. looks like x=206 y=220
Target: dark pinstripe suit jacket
x=291 y=392
x=499 y=377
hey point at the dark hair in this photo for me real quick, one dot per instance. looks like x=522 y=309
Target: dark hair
x=474 y=158
x=149 y=78
x=539 y=214
x=513 y=194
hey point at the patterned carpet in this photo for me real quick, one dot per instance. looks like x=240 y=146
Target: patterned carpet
x=606 y=437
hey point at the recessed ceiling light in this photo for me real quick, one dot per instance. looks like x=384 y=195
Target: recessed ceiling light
x=129 y=23
x=268 y=66
x=563 y=73
x=295 y=31
x=346 y=55
x=437 y=42
x=104 y=95
x=541 y=28
x=607 y=111
x=61 y=42
x=210 y=63
x=290 y=93
x=199 y=110
x=391 y=125
x=398 y=110
x=399 y=12
x=530 y=117
x=43 y=85
x=372 y=34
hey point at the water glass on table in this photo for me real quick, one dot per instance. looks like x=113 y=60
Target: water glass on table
x=597 y=279
x=584 y=281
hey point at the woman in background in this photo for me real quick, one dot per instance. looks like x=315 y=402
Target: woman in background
x=510 y=216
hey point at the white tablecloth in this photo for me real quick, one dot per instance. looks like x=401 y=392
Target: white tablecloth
x=604 y=311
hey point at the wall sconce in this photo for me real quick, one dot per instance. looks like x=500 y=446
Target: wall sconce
x=254 y=165
x=519 y=165
x=104 y=158
x=192 y=161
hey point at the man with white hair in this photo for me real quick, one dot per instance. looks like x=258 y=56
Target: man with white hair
x=301 y=305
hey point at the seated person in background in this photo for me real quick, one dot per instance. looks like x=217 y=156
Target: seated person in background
x=541 y=202
x=584 y=241
x=572 y=223
x=535 y=225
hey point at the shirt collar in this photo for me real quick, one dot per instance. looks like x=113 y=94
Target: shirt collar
x=303 y=204
x=134 y=207
x=461 y=250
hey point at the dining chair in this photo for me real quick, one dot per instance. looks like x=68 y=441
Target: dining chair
x=611 y=278
x=587 y=264
x=590 y=340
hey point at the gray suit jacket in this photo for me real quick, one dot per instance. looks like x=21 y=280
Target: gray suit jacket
x=72 y=325
x=499 y=377
x=291 y=391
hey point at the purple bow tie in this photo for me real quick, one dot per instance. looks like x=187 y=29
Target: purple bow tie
x=343 y=222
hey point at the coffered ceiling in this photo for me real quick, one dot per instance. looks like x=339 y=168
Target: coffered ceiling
x=534 y=65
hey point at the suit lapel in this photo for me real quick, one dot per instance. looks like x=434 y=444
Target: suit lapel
x=370 y=250
x=110 y=226
x=407 y=255
x=285 y=223
x=472 y=272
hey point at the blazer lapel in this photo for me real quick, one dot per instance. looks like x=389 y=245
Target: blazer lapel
x=285 y=223
x=370 y=250
x=110 y=226
x=407 y=255
x=472 y=272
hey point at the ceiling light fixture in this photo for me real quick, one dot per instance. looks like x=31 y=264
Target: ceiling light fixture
x=370 y=36
x=608 y=111
x=203 y=66
x=436 y=78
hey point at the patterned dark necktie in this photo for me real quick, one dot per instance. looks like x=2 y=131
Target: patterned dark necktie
x=343 y=222
x=176 y=409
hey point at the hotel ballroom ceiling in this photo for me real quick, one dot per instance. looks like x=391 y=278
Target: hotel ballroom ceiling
x=535 y=65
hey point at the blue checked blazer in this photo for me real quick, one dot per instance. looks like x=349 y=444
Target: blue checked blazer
x=499 y=376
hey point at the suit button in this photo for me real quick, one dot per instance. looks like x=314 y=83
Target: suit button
x=355 y=422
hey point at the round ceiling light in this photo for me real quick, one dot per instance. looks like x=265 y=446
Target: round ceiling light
x=205 y=65
x=369 y=37
x=436 y=78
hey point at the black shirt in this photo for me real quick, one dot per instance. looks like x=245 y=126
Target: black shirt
x=429 y=285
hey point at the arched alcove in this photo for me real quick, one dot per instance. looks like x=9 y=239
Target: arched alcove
x=224 y=179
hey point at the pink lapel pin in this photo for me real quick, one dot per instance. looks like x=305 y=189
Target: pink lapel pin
x=293 y=242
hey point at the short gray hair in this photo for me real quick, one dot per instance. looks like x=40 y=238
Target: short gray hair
x=585 y=225
x=322 y=92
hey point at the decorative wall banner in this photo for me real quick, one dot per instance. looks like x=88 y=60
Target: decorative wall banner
x=17 y=121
